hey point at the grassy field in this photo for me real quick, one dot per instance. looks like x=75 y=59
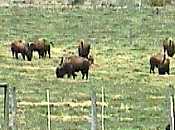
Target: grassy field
x=136 y=99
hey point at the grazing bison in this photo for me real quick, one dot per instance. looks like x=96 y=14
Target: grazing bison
x=161 y=62
x=19 y=46
x=73 y=64
x=42 y=47
x=169 y=46
x=83 y=49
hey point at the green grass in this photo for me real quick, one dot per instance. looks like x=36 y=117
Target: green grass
x=123 y=69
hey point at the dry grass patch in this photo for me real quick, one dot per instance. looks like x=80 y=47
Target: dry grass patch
x=58 y=104
x=70 y=118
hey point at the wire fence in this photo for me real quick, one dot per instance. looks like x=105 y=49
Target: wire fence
x=75 y=112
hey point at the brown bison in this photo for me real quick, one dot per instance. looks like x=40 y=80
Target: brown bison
x=19 y=46
x=42 y=47
x=161 y=62
x=73 y=64
x=169 y=46
x=83 y=49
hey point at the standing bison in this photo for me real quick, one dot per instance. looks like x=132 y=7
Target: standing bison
x=83 y=49
x=169 y=46
x=19 y=46
x=73 y=64
x=42 y=47
x=161 y=62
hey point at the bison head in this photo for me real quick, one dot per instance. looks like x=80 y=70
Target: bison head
x=32 y=46
x=170 y=51
x=29 y=54
x=60 y=72
x=162 y=70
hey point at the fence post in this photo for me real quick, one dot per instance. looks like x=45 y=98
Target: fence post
x=102 y=113
x=13 y=107
x=171 y=98
x=94 y=113
x=171 y=107
x=172 y=113
x=48 y=110
x=6 y=106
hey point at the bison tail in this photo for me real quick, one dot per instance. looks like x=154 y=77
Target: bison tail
x=82 y=43
x=61 y=62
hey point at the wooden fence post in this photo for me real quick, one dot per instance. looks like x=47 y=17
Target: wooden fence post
x=13 y=108
x=6 y=106
x=94 y=113
x=9 y=123
x=48 y=110
x=102 y=111
x=172 y=113
x=171 y=107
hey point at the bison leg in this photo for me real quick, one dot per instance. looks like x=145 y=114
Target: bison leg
x=42 y=54
x=86 y=71
x=152 y=68
x=16 y=55
x=83 y=74
x=49 y=53
x=87 y=75
x=168 y=70
x=68 y=75
x=74 y=75
x=13 y=53
x=23 y=56
x=39 y=54
x=164 y=48
x=45 y=53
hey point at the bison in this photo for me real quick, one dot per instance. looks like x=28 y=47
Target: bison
x=169 y=46
x=42 y=47
x=19 y=46
x=73 y=64
x=83 y=49
x=161 y=62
